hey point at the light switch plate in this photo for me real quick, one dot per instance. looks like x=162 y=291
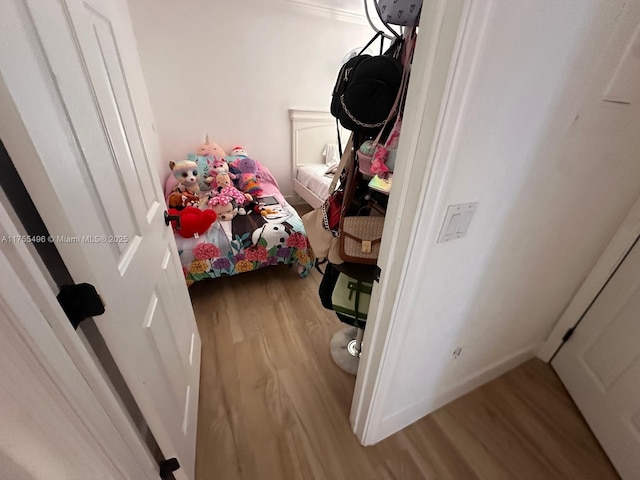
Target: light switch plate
x=456 y=221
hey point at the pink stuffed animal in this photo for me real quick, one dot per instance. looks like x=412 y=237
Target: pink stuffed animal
x=226 y=188
x=210 y=149
x=219 y=165
x=225 y=207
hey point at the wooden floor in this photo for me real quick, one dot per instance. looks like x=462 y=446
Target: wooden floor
x=273 y=405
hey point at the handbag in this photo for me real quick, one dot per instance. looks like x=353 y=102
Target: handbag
x=365 y=156
x=322 y=224
x=365 y=90
x=328 y=285
x=360 y=236
x=399 y=12
x=360 y=239
x=384 y=156
x=379 y=159
x=373 y=157
x=351 y=297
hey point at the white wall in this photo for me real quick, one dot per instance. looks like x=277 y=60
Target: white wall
x=233 y=69
x=552 y=188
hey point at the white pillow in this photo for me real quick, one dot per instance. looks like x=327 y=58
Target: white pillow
x=331 y=157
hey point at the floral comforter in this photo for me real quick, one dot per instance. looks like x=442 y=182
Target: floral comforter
x=248 y=242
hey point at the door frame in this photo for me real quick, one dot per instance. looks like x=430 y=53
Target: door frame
x=55 y=343
x=424 y=156
x=612 y=256
x=436 y=59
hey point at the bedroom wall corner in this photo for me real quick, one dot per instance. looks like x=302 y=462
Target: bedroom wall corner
x=233 y=69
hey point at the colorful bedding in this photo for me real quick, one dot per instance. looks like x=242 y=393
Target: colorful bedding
x=248 y=242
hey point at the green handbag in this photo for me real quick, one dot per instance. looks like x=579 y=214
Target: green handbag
x=351 y=297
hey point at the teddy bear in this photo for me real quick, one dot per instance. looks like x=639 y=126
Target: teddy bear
x=187 y=192
x=223 y=180
x=248 y=180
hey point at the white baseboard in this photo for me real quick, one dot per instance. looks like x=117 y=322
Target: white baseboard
x=399 y=420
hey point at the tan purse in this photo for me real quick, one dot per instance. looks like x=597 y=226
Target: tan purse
x=360 y=239
x=360 y=236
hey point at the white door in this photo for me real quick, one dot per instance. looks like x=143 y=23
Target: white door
x=44 y=397
x=600 y=366
x=72 y=72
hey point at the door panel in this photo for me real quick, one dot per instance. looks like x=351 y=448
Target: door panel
x=600 y=366
x=607 y=365
x=121 y=96
x=99 y=195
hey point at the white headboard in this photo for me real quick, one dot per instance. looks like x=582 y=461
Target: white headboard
x=311 y=131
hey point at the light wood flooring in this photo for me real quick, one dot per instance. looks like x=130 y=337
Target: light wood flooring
x=273 y=406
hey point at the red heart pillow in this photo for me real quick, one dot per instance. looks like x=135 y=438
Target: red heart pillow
x=192 y=221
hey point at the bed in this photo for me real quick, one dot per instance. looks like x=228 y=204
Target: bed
x=248 y=242
x=313 y=139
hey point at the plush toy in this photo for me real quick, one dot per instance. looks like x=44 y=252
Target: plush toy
x=225 y=207
x=193 y=221
x=249 y=178
x=206 y=179
x=187 y=192
x=275 y=235
x=226 y=188
x=236 y=154
x=264 y=211
x=210 y=149
x=239 y=151
x=223 y=180
x=217 y=166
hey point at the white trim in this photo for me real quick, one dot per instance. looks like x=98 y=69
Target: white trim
x=53 y=341
x=326 y=11
x=419 y=175
x=613 y=254
x=310 y=115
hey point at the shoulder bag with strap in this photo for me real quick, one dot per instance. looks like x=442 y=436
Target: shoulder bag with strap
x=322 y=224
x=365 y=90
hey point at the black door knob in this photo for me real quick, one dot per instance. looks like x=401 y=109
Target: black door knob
x=172 y=218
